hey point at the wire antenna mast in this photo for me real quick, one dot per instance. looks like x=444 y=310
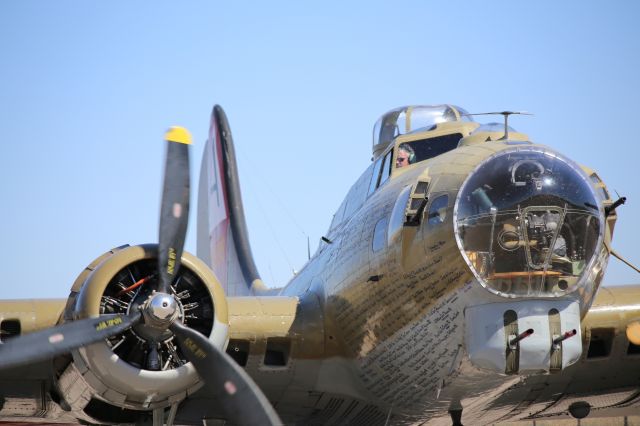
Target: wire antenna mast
x=506 y=115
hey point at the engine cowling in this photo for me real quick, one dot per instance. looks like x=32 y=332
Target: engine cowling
x=125 y=370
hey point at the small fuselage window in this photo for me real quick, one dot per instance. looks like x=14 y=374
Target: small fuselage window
x=438 y=210
x=379 y=235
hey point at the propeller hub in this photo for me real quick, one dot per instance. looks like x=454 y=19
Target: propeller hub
x=162 y=306
x=159 y=311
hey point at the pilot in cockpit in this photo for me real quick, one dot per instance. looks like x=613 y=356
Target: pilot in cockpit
x=406 y=155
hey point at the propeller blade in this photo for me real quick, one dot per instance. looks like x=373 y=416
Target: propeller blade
x=46 y=344
x=241 y=399
x=174 y=210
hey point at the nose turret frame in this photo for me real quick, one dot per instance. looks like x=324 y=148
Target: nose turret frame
x=529 y=224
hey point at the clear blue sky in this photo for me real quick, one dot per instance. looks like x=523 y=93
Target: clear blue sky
x=87 y=90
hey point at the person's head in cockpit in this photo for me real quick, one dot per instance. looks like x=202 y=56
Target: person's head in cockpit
x=406 y=155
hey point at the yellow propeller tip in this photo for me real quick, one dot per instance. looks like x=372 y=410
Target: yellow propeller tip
x=178 y=134
x=633 y=332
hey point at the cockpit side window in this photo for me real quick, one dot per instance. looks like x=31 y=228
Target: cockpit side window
x=375 y=177
x=381 y=172
x=386 y=168
x=425 y=149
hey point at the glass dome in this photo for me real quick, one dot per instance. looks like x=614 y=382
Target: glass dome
x=528 y=223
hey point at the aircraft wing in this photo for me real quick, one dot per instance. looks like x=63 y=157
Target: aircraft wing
x=606 y=377
x=51 y=390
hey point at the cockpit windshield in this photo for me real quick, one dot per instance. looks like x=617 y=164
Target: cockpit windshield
x=424 y=149
x=409 y=119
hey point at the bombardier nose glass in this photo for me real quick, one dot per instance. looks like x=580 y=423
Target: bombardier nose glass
x=528 y=223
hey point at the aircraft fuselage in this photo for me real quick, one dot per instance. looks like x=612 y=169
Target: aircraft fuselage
x=412 y=320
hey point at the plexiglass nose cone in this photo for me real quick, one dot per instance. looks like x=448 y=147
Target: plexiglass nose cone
x=528 y=223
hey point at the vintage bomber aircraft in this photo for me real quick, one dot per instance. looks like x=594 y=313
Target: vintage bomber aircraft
x=462 y=287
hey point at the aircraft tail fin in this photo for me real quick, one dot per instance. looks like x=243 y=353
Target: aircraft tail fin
x=223 y=241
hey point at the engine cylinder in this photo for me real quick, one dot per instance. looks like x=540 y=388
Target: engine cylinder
x=125 y=370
